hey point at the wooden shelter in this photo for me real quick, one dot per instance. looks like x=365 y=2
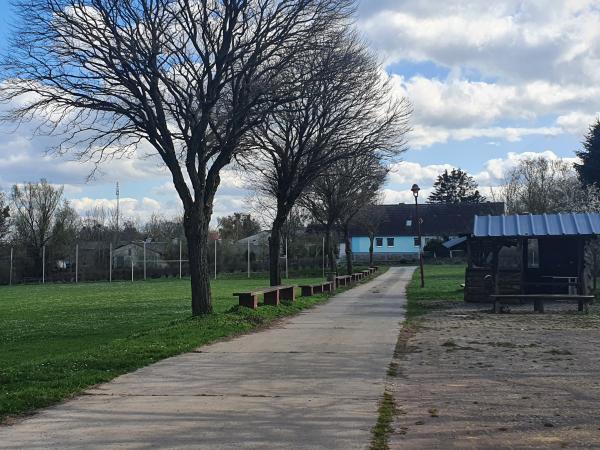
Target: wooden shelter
x=531 y=254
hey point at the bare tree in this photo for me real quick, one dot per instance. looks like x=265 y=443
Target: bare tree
x=336 y=198
x=41 y=216
x=4 y=216
x=342 y=109
x=188 y=77
x=540 y=185
x=370 y=218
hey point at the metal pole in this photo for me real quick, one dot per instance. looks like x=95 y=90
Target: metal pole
x=323 y=257
x=215 y=259
x=180 y=259
x=287 y=273
x=76 y=262
x=110 y=263
x=144 y=260
x=131 y=264
x=420 y=242
x=44 y=264
x=248 y=258
x=11 y=267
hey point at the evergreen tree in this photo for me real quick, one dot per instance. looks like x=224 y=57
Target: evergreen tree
x=589 y=169
x=237 y=226
x=455 y=187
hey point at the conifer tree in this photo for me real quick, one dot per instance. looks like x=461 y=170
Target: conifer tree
x=589 y=169
x=455 y=187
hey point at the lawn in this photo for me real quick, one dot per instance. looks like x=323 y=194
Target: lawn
x=56 y=340
x=442 y=285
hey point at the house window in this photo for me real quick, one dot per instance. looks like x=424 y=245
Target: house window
x=390 y=242
x=417 y=242
x=378 y=242
x=533 y=254
x=409 y=223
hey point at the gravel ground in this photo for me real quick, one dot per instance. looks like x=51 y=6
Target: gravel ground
x=468 y=379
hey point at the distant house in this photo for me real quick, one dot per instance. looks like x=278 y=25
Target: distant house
x=260 y=238
x=397 y=235
x=123 y=255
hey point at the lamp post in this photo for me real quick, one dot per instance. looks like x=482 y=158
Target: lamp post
x=415 y=190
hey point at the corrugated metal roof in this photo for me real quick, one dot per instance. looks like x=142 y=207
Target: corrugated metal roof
x=454 y=242
x=566 y=224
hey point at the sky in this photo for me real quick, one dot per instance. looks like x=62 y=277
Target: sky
x=490 y=83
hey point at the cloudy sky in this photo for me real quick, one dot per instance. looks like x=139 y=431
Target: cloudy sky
x=490 y=82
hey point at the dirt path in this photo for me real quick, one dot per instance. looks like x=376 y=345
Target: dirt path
x=313 y=382
x=473 y=380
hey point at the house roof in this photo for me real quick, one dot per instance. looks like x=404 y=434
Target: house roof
x=566 y=224
x=437 y=219
x=259 y=238
x=150 y=247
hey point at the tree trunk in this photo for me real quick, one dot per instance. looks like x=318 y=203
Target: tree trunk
x=274 y=250
x=196 y=232
x=329 y=249
x=371 y=249
x=348 y=242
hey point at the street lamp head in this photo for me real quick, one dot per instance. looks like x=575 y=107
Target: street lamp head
x=415 y=190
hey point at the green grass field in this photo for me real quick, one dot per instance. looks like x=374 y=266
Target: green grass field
x=56 y=340
x=442 y=285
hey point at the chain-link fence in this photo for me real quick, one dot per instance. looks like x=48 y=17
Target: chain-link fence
x=139 y=260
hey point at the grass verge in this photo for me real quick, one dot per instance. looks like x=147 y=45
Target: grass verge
x=57 y=340
x=442 y=287
x=383 y=428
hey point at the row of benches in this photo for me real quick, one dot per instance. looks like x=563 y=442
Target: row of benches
x=274 y=294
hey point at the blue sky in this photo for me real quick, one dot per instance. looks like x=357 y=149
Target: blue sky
x=489 y=86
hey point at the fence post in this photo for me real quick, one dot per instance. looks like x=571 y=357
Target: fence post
x=44 y=264
x=323 y=257
x=110 y=263
x=11 y=267
x=76 y=262
x=287 y=273
x=248 y=258
x=215 y=259
x=180 y=258
x=131 y=264
x=144 y=260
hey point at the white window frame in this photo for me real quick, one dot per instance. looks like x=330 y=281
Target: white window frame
x=377 y=243
x=387 y=241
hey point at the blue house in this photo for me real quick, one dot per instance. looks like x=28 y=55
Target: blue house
x=396 y=237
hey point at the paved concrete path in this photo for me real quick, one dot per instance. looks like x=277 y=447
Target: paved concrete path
x=313 y=382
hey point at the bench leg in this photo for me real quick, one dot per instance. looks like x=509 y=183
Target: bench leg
x=287 y=294
x=496 y=307
x=249 y=301
x=541 y=307
x=272 y=298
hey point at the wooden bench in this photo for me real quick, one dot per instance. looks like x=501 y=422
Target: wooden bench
x=357 y=276
x=272 y=296
x=319 y=288
x=375 y=268
x=538 y=300
x=366 y=272
x=343 y=280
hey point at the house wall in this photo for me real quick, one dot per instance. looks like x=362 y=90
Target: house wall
x=402 y=244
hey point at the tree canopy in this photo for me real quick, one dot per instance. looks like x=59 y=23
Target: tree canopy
x=589 y=168
x=455 y=187
x=237 y=226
